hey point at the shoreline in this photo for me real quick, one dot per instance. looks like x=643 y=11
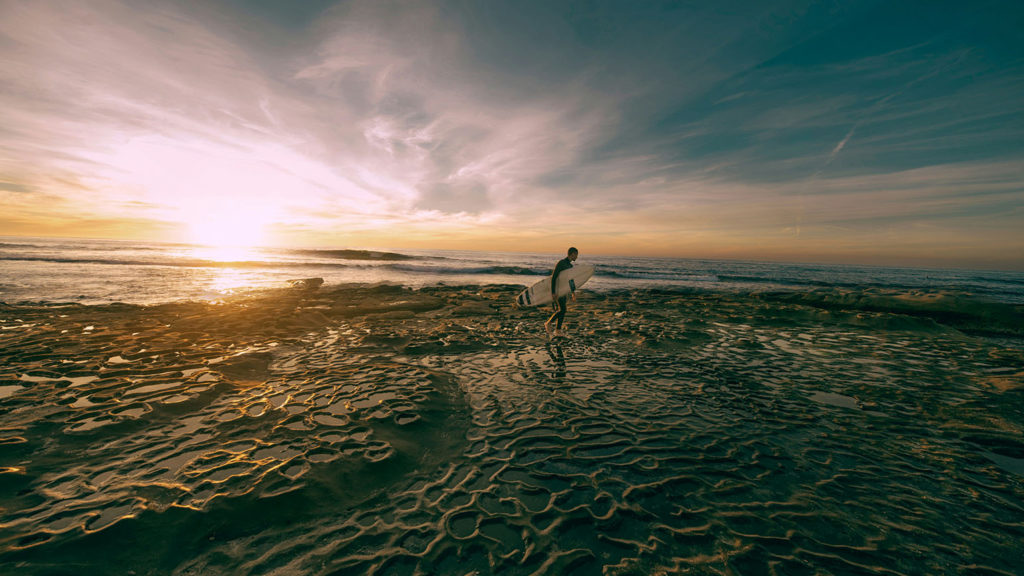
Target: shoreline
x=974 y=316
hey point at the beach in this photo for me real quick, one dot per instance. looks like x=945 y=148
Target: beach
x=382 y=429
x=273 y=280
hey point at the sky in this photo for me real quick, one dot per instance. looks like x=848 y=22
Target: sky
x=884 y=132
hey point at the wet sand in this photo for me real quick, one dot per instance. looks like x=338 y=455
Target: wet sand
x=381 y=430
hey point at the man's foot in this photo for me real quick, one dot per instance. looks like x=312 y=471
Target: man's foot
x=547 y=328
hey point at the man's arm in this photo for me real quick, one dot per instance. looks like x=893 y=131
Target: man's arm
x=554 y=277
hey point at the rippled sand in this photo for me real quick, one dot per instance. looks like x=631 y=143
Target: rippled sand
x=378 y=430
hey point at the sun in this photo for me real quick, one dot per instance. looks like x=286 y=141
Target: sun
x=227 y=234
x=217 y=196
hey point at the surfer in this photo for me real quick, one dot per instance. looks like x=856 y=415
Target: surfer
x=559 y=304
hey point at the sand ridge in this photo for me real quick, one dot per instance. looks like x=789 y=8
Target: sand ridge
x=377 y=429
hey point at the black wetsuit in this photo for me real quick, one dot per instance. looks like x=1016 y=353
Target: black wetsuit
x=559 y=315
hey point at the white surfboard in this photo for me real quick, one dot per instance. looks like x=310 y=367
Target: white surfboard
x=568 y=281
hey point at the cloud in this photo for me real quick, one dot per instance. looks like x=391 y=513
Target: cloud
x=370 y=112
x=842 y=144
x=668 y=126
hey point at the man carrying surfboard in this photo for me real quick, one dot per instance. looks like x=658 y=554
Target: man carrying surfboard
x=560 y=303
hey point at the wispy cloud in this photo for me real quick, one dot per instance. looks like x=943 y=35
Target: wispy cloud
x=666 y=130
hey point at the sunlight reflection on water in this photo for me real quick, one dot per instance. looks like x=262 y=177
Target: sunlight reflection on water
x=225 y=253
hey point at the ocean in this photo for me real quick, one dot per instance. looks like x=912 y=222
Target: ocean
x=170 y=409
x=104 y=271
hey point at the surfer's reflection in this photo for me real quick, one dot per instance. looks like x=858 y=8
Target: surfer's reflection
x=558 y=358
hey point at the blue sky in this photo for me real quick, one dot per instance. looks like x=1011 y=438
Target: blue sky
x=873 y=132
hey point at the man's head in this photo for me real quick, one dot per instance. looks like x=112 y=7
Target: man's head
x=573 y=253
